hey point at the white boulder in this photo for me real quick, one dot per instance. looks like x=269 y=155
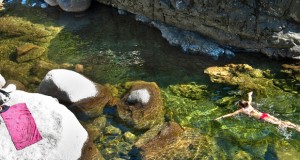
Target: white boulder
x=67 y=85
x=141 y=96
x=51 y=2
x=74 y=5
x=63 y=137
x=2 y=81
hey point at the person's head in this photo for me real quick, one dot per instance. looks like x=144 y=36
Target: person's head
x=242 y=103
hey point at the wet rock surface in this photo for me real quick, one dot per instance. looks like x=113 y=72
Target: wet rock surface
x=248 y=25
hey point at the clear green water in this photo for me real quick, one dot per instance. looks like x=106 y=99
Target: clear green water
x=115 y=48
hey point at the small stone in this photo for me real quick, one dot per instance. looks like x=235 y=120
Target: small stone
x=129 y=137
x=100 y=122
x=79 y=68
x=111 y=130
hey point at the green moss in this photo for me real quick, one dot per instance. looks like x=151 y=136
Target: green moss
x=16 y=30
x=192 y=90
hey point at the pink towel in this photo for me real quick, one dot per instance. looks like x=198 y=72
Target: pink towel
x=21 y=126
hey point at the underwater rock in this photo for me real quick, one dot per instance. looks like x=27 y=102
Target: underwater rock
x=67 y=86
x=243 y=76
x=51 y=2
x=100 y=122
x=28 y=52
x=111 y=130
x=141 y=115
x=79 y=68
x=174 y=142
x=91 y=152
x=242 y=155
x=192 y=90
x=74 y=5
x=2 y=81
x=129 y=137
x=41 y=68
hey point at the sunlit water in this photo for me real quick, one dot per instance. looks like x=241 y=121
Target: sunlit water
x=115 y=48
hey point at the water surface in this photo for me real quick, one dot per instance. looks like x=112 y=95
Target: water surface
x=115 y=48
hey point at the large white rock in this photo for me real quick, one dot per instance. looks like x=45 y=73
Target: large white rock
x=67 y=85
x=63 y=136
x=74 y=5
x=2 y=81
x=141 y=96
x=51 y=2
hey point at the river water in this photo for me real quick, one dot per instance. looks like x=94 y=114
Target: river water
x=115 y=48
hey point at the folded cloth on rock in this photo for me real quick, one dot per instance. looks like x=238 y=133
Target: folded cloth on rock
x=21 y=126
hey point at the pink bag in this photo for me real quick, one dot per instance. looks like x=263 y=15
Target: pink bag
x=21 y=126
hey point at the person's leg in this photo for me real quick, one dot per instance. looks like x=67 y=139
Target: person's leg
x=272 y=119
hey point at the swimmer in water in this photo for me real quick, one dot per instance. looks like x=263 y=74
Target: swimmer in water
x=246 y=108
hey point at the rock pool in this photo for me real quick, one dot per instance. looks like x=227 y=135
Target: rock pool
x=113 y=48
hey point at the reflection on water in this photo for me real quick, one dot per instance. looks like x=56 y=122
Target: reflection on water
x=115 y=48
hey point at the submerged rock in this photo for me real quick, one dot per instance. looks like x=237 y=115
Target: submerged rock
x=28 y=52
x=192 y=90
x=62 y=134
x=243 y=76
x=174 y=142
x=41 y=68
x=142 y=106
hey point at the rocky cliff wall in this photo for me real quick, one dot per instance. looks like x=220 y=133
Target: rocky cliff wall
x=268 y=26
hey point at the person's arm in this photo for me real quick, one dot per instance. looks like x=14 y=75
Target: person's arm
x=250 y=97
x=230 y=114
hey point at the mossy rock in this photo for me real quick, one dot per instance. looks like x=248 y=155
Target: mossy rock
x=138 y=115
x=175 y=142
x=29 y=52
x=20 y=29
x=192 y=90
x=41 y=68
x=226 y=101
x=242 y=155
x=91 y=152
x=245 y=77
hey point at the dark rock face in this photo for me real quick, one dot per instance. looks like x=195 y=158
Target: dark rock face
x=142 y=113
x=270 y=27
